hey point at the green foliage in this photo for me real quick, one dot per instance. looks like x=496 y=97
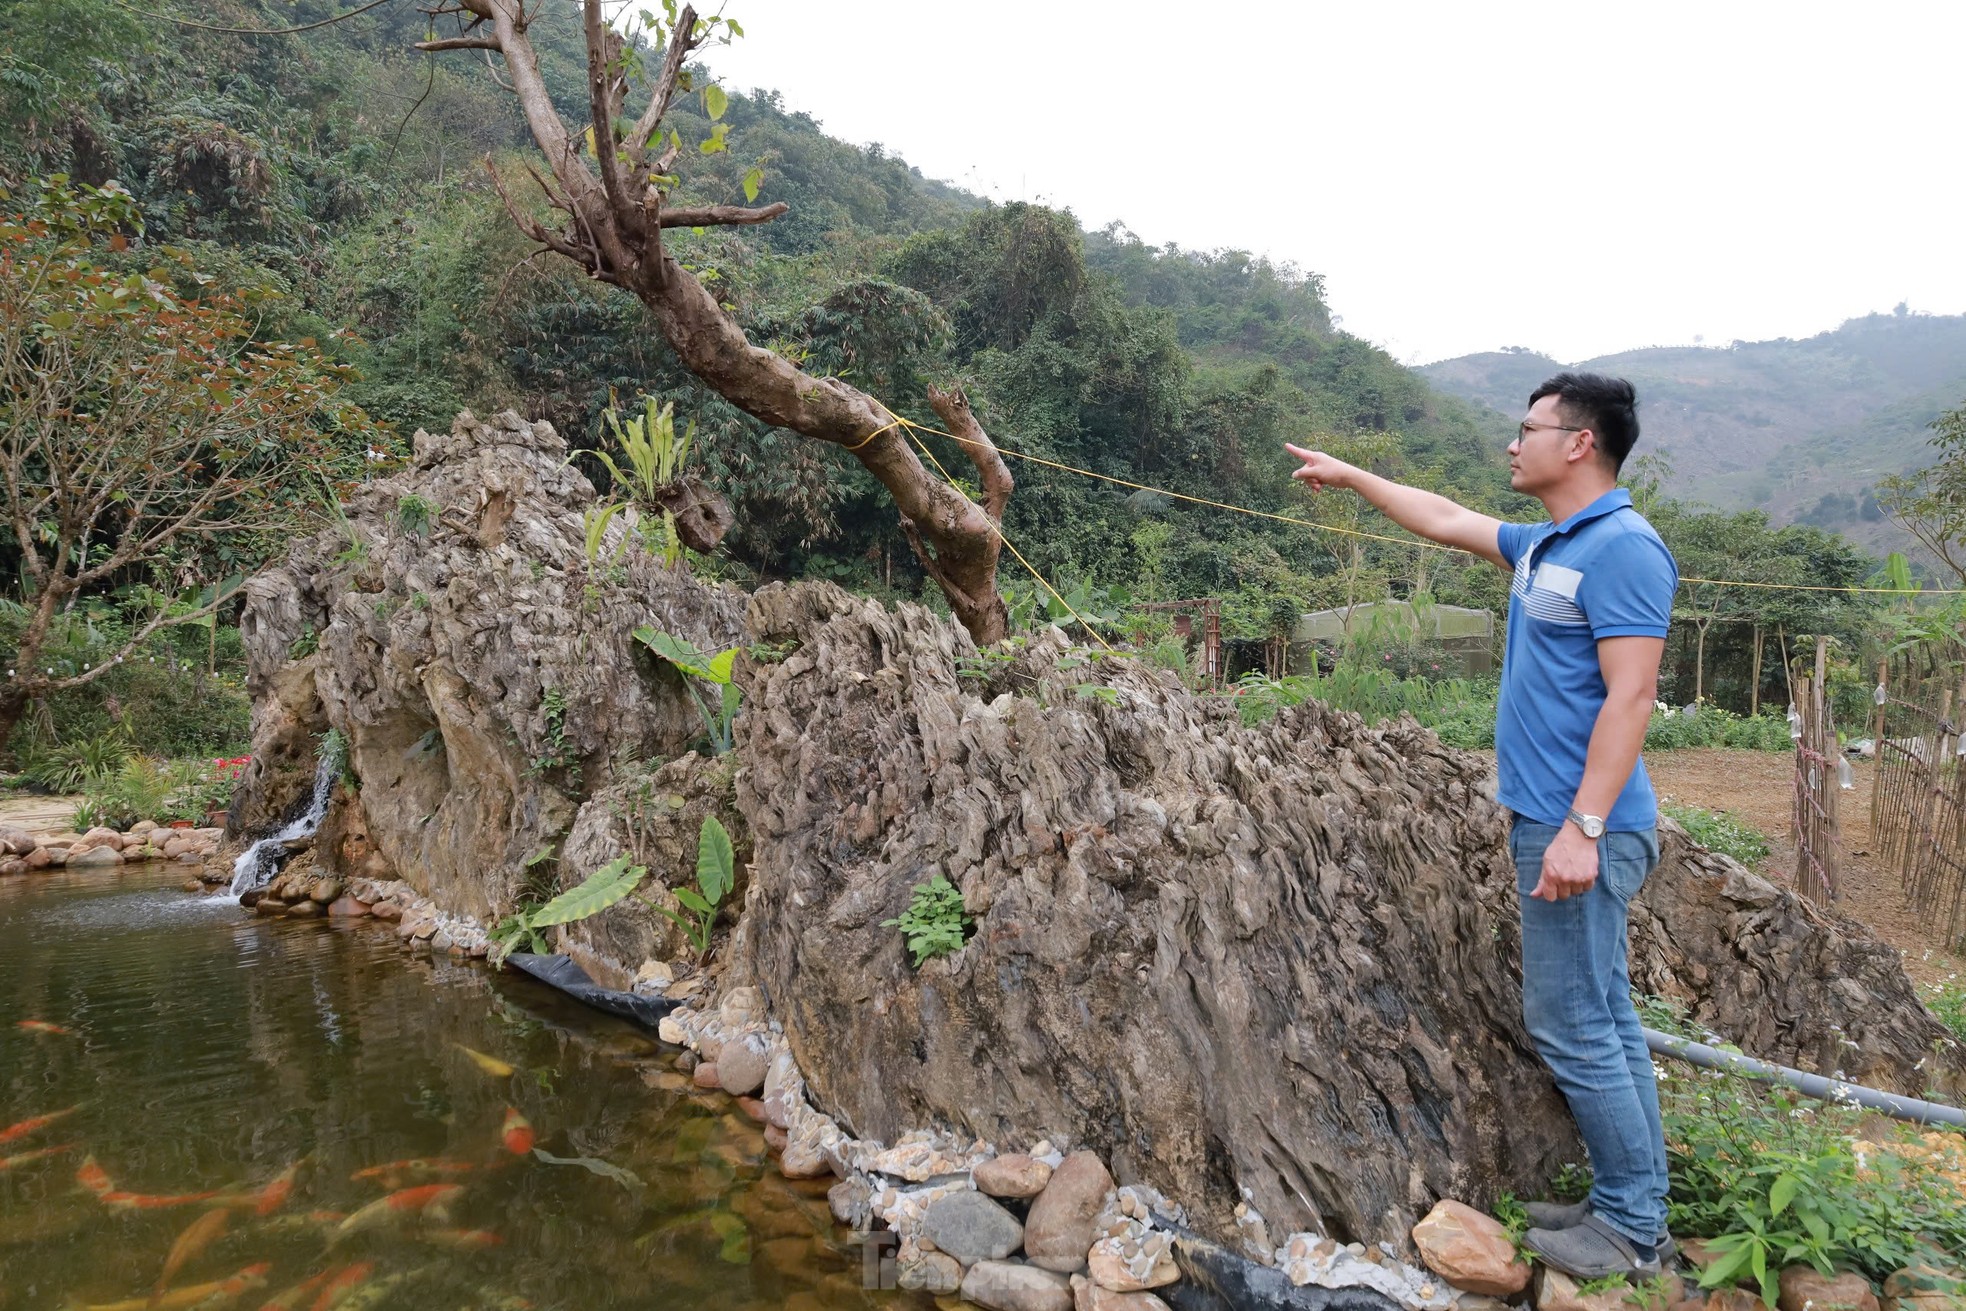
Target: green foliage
x=71 y=767
x=650 y=444
x=935 y=922
x=413 y=514
x=1461 y=711
x=714 y=669
x=1719 y=830
x=1768 y=1180
x=1711 y=726
x=139 y=788
x=1947 y=1000
x=558 y=753
x=716 y=874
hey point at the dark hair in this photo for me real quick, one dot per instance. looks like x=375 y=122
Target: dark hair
x=1607 y=406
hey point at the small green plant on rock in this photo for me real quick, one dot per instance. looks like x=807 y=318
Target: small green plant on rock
x=413 y=513
x=935 y=922
x=1947 y=1000
x=711 y=669
x=716 y=873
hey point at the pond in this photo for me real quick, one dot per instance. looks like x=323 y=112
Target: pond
x=300 y=1115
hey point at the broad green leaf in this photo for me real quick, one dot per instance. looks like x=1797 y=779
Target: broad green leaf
x=715 y=101
x=692 y=900
x=720 y=665
x=599 y=890
x=752 y=181
x=61 y=320
x=675 y=650
x=1728 y=1268
x=1782 y=1193
x=716 y=861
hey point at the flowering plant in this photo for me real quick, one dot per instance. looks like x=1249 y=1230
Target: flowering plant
x=205 y=787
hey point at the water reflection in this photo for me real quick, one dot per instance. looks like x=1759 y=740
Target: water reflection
x=215 y=1053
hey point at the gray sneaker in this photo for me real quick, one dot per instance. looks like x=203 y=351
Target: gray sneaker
x=1591 y=1250
x=1564 y=1215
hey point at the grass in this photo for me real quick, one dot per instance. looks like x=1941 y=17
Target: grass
x=1720 y=830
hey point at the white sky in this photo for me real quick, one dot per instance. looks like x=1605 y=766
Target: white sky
x=1578 y=178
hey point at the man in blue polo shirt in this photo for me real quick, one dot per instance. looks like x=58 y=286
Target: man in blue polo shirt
x=1588 y=610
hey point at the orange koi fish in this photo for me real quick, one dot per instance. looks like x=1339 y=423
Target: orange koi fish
x=516 y=1133
x=293 y=1297
x=415 y=1168
x=22 y=1128
x=207 y=1297
x=464 y=1240
x=274 y=1196
x=42 y=1026
x=345 y=1281
x=94 y=1178
x=431 y=1200
x=38 y=1154
x=199 y=1235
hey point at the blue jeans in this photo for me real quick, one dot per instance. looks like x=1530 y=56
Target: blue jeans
x=1576 y=1002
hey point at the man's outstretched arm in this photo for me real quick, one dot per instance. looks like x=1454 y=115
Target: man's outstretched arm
x=1430 y=515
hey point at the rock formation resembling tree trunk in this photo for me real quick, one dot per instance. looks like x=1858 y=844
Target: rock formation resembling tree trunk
x=616 y=205
x=1275 y=965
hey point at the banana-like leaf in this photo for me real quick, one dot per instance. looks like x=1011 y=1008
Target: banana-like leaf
x=677 y=652
x=716 y=862
x=601 y=889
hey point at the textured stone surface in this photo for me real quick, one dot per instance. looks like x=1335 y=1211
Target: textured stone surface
x=1470 y=1250
x=1061 y=1225
x=485 y=678
x=970 y=1227
x=741 y=1066
x=1012 y=1286
x=1803 y=1289
x=1281 y=959
x=1012 y=1175
x=1088 y=1296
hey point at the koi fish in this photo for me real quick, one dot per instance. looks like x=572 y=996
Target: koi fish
x=432 y=1200
x=293 y=1297
x=491 y=1065
x=199 y=1235
x=204 y=1296
x=464 y=1240
x=274 y=1196
x=344 y=1281
x=22 y=1128
x=42 y=1026
x=399 y=1173
x=38 y=1154
x=298 y=1222
x=94 y=1178
x=126 y=1201
x=516 y=1133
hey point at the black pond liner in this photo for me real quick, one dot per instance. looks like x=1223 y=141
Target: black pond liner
x=1215 y=1279
x=560 y=972
x=1212 y=1277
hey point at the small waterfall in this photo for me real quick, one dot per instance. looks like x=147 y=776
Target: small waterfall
x=257 y=863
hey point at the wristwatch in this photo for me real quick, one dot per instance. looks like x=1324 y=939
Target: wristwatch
x=1592 y=825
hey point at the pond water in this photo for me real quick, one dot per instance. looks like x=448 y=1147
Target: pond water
x=206 y=1051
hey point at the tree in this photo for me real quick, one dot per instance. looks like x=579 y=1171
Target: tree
x=1931 y=503
x=145 y=438
x=616 y=194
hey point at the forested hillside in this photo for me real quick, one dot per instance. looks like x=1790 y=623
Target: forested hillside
x=1799 y=429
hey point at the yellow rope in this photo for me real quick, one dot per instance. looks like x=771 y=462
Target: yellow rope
x=998 y=530
x=1377 y=537
x=877 y=432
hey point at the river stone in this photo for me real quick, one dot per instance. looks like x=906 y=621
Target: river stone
x=97 y=837
x=742 y=1065
x=705 y=1075
x=1556 y=1291
x=850 y=1201
x=1014 y=1286
x=1012 y=1175
x=143 y=826
x=1060 y=1227
x=325 y=890
x=16 y=841
x=304 y=909
x=40 y=858
x=1133 y=1264
x=929 y=1272
x=1088 y=1296
x=1804 y=1289
x=92 y=856
x=1470 y=1250
x=970 y=1227
x=785 y=1089
x=17 y=865
x=346 y=908
x=386 y=911
x=268 y=906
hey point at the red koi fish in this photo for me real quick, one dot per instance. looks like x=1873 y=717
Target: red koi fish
x=516 y=1133
x=293 y=1297
x=39 y=1154
x=432 y=1200
x=345 y=1281
x=22 y=1128
x=464 y=1240
x=201 y=1234
x=274 y=1196
x=400 y=1173
x=207 y=1297
x=42 y=1026
x=94 y=1178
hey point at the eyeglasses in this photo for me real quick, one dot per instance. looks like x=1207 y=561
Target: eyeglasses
x=1524 y=428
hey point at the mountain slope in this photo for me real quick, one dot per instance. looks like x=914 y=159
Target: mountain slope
x=1801 y=429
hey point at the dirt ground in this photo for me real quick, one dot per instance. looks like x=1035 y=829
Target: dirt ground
x=38 y=814
x=1756 y=786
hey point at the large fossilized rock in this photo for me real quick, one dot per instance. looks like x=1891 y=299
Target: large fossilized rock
x=480 y=665
x=1277 y=963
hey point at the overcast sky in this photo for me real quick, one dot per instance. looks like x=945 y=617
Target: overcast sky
x=1575 y=178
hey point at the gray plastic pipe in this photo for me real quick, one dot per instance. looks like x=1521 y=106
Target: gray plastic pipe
x=1812 y=1085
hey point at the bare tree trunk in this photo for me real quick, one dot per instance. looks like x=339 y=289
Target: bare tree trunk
x=1700 y=660
x=1754 y=687
x=613 y=230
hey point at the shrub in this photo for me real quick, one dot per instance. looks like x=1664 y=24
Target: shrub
x=1710 y=726
x=1719 y=830
x=935 y=922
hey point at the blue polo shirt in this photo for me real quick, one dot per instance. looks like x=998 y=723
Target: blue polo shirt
x=1600 y=573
